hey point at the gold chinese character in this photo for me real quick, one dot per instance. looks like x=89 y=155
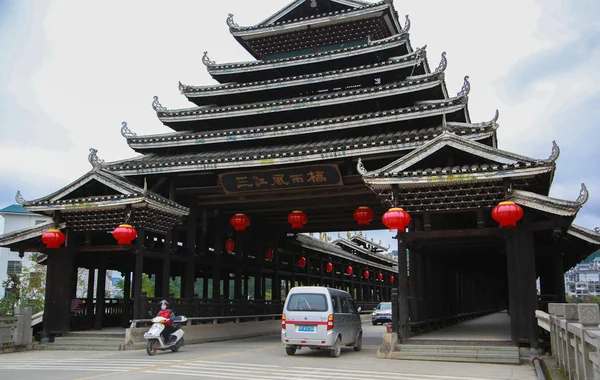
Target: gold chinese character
x=316 y=177
x=297 y=178
x=258 y=181
x=243 y=182
x=278 y=180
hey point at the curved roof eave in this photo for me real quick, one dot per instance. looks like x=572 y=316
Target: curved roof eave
x=305 y=127
x=348 y=96
x=372 y=46
x=394 y=63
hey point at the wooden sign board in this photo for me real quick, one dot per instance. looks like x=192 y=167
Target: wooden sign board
x=281 y=179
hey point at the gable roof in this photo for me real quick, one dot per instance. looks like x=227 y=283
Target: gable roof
x=127 y=193
x=447 y=139
x=280 y=15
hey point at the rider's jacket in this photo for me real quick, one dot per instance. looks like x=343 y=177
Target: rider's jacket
x=168 y=314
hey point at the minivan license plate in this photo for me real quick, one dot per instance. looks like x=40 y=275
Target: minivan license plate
x=305 y=328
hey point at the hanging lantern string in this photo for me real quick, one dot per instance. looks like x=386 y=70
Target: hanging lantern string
x=128 y=216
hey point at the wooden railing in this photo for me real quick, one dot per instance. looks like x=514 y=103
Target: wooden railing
x=575 y=337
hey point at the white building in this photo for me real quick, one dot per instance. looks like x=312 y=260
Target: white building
x=583 y=279
x=16 y=218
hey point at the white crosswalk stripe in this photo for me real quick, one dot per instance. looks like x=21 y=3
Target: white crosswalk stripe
x=242 y=371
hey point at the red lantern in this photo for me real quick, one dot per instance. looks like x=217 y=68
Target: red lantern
x=363 y=215
x=392 y=279
x=507 y=214
x=329 y=267
x=269 y=254
x=380 y=277
x=124 y=234
x=297 y=219
x=366 y=274
x=396 y=219
x=349 y=270
x=229 y=245
x=53 y=238
x=239 y=222
x=302 y=262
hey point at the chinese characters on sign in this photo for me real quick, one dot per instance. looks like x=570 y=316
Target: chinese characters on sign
x=277 y=179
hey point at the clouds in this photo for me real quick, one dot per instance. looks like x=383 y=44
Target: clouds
x=72 y=71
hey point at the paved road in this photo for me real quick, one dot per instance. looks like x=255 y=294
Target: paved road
x=248 y=359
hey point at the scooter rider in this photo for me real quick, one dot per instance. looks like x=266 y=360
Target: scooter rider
x=166 y=313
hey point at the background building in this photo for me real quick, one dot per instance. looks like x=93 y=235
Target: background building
x=16 y=218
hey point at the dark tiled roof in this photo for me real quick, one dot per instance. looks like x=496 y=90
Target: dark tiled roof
x=131 y=192
x=328 y=248
x=194 y=91
x=313 y=17
x=235 y=134
x=216 y=67
x=302 y=102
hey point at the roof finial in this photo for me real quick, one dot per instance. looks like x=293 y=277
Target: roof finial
x=19 y=198
x=597 y=230
x=156 y=104
x=443 y=63
x=406 y=24
x=125 y=131
x=145 y=191
x=94 y=160
x=206 y=60
x=583 y=195
x=360 y=168
x=230 y=23
x=496 y=116
x=555 y=153
x=466 y=88
x=182 y=87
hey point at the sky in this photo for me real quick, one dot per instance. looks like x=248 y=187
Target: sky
x=72 y=70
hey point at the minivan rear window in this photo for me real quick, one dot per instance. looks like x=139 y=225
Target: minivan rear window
x=307 y=302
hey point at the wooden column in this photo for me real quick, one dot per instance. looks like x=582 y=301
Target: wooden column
x=57 y=304
x=90 y=297
x=100 y=295
x=238 y=271
x=166 y=268
x=414 y=283
x=260 y=260
x=126 y=299
x=137 y=275
x=276 y=281
x=189 y=277
x=403 y=315
x=216 y=258
x=522 y=283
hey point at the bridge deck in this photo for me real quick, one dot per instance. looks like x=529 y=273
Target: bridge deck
x=493 y=329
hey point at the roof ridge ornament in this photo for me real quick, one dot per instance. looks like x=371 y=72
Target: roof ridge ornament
x=555 y=153
x=232 y=24
x=125 y=131
x=583 y=195
x=19 y=198
x=94 y=159
x=182 y=87
x=597 y=230
x=406 y=24
x=360 y=167
x=207 y=62
x=466 y=88
x=156 y=104
x=443 y=64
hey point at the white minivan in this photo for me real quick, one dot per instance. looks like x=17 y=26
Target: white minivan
x=318 y=317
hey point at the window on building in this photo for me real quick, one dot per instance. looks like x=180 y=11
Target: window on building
x=14 y=267
x=39 y=221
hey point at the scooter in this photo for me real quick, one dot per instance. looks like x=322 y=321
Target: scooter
x=155 y=339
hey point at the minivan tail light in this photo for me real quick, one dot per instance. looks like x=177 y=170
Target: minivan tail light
x=283 y=321
x=330 y=322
